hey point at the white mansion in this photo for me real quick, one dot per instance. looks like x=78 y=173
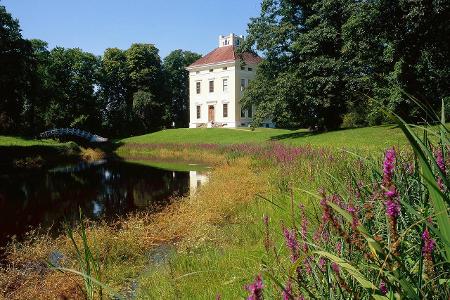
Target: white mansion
x=216 y=84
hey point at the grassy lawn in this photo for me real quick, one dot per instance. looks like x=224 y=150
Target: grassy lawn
x=23 y=142
x=27 y=153
x=377 y=137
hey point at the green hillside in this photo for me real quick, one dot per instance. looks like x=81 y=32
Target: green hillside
x=368 y=137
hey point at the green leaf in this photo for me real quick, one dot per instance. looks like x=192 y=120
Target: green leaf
x=373 y=245
x=438 y=200
x=355 y=273
x=379 y=297
x=93 y=280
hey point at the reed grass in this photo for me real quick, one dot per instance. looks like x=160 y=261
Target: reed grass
x=219 y=240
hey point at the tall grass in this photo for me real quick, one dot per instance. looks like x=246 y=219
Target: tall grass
x=385 y=235
x=88 y=263
x=345 y=248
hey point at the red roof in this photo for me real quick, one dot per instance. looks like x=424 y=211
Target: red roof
x=226 y=54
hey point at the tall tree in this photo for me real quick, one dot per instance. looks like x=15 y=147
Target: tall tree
x=300 y=83
x=146 y=75
x=15 y=70
x=177 y=81
x=331 y=59
x=115 y=92
x=35 y=105
x=73 y=81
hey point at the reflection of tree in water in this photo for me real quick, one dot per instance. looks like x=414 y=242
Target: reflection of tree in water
x=154 y=193
x=106 y=191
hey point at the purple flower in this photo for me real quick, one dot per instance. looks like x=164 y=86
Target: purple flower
x=304 y=227
x=383 y=288
x=440 y=160
x=392 y=193
x=392 y=208
x=266 y=233
x=355 y=222
x=335 y=267
x=322 y=264
x=255 y=289
x=388 y=166
x=287 y=291
x=339 y=248
x=336 y=199
x=307 y=264
x=392 y=205
x=428 y=243
x=291 y=242
x=266 y=220
x=326 y=215
x=441 y=164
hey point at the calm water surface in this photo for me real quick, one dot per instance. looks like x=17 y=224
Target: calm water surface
x=103 y=190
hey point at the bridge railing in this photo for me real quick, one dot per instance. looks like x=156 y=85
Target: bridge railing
x=58 y=132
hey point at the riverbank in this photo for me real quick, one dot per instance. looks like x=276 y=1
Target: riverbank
x=22 y=153
x=201 y=246
x=207 y=268
x=124 y=247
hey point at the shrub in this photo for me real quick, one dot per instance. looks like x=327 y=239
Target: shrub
x=351 y=120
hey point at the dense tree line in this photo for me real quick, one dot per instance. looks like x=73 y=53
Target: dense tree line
x=334 y=61
x=120 y=93
x=327 y=63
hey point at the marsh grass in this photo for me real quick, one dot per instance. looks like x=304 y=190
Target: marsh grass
x=122 y=248
x=223 y=266
x=218 y=234
x=382 y=232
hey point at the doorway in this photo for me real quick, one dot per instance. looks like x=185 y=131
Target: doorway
x=211 y=113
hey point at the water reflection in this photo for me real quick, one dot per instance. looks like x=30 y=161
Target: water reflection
x=103 y=190
x=196 y=179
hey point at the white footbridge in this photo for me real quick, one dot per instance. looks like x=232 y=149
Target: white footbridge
x=62 y=132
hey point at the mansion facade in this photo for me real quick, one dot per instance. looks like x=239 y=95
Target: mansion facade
x=217 y=82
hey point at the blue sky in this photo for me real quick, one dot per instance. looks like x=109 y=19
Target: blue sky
x=94 y=25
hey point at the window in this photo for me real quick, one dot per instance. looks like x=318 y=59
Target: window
x=248 y=82
x=198 y=72
x=225 y=85
x=211 y=86
x=242 y=112
x=243 y=68
x=250 y=69
x=198 y=111
x=211 y=70
x=224 y=68
x=250 y=112
x=225 y=110
x=237 y=42
x=242 y=84
x=197 y=87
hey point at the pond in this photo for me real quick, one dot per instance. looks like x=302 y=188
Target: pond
x=104 y=190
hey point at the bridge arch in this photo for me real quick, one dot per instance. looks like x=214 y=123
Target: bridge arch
x=62 y=132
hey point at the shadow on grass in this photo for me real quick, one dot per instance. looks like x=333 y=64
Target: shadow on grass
x=293 y=135
x=302 y=134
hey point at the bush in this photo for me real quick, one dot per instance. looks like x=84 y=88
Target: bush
x=351 y=120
